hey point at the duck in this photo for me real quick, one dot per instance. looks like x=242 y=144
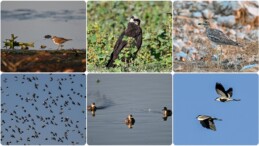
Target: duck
x=225 y=96
x=129 y=120
x=167 y=112
x=207 y=121
x=91 y=107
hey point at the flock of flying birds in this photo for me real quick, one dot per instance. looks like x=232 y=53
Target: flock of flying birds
x=224 y=96
x=43 y=109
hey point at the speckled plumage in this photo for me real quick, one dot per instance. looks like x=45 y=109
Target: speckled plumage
x=218 y=36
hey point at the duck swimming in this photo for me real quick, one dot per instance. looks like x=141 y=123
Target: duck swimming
x=167 y=112
x=91 y=107
x=129 y=121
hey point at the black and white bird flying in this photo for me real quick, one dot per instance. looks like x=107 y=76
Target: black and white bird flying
x=225 y=96
x=207 y=121
x=132 y=31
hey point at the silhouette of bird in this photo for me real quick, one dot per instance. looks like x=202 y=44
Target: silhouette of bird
x=31 y=111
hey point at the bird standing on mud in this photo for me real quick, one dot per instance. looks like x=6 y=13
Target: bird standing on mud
x=134 y=31
x=57 y=40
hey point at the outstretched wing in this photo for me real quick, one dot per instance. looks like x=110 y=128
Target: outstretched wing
x=230 y=92
x=220 y=90
x=212 y=125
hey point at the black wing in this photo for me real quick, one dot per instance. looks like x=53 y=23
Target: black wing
x=212 y=125
x=209 y=124
x=220 y=90
x=139 y=39
x=205 y=124
x=120 y=44
x=230 y=92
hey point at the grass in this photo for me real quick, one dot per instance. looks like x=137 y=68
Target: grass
x=43 y=61
x=107 y=20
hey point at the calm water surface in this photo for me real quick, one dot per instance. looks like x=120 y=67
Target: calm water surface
x=31 y=21
x=143 y=96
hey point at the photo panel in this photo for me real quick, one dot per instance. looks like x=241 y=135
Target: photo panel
x=43 y=36
x=43 y=109
x=129 y=109
x=215 y=109
x=215 y=36
x=129 y=36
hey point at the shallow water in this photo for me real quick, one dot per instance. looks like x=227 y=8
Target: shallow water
x=143 y=96
x=31 y=21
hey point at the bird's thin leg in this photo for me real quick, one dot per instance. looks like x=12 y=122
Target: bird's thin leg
x=219 y=55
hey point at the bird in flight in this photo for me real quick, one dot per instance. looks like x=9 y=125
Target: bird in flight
x=132 y=31
x=225 y=96
x=207 y=121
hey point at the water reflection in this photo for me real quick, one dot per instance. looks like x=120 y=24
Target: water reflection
x=166 y=113
x=32 y=20
x=27 y=14
x=141 y=97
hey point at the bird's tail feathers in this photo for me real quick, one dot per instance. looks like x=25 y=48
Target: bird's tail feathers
x=217 y=119
x=239 y=44
x=236 y=99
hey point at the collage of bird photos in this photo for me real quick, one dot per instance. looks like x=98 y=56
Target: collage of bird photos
x=117 y=72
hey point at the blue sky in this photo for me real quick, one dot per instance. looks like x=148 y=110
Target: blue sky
x=57 y=96
x=195 y=94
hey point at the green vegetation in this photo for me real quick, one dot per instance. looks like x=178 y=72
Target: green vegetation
x=107 y=20
x=11 y=43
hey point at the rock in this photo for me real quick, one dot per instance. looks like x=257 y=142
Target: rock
x=197 y=14
x=207 y=14
x=180 y=55
x=254 y=34
x=226 y=20
x=196 y=30
x=240 y=35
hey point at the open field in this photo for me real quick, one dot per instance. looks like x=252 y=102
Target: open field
x=43 y=60
x=106 y=22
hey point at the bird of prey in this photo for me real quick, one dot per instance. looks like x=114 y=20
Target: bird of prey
x=207 y=121
x=225 y=96
x=134 y=31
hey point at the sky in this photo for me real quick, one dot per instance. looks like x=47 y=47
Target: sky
x=195 y=94
x=46 y=105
